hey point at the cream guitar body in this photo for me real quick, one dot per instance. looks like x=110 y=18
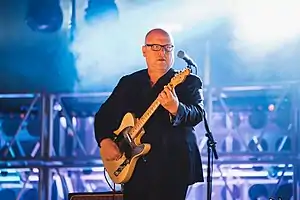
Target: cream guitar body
x=128 y=138
x=121 y=170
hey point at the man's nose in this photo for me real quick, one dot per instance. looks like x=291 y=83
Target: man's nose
x=162 y=51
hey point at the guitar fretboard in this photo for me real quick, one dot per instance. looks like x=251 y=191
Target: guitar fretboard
x=178 y=78
x=142 y=121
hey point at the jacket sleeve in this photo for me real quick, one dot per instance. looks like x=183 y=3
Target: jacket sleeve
x=109 y=115
x=190 y=109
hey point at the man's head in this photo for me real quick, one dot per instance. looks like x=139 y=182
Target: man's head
x=158 y=50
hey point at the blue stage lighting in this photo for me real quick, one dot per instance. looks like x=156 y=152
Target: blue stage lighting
x=44 y=16
x=100 y=8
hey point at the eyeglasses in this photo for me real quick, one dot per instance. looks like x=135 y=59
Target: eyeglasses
x=158 y=47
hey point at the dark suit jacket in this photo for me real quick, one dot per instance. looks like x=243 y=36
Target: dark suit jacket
x=174 y=149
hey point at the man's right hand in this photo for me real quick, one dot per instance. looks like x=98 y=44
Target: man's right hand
x=110 y=150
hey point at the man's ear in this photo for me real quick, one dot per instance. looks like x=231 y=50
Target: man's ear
x=144 y=50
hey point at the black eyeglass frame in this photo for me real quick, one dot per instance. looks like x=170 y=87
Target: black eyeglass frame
x=166 y=47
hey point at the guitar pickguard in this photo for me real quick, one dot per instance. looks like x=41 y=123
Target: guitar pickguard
x=135 y=151
x=125 y=142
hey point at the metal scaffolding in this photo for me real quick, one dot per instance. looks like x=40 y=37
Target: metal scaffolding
x=51 y=159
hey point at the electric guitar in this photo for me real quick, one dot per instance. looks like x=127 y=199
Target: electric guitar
x=128 y=138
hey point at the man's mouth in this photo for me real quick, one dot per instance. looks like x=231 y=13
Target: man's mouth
x=161 y=59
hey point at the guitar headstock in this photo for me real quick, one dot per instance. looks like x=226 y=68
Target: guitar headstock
x=179 y=77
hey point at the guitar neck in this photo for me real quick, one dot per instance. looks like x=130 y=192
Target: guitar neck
x=177 y=79
x=142 y=121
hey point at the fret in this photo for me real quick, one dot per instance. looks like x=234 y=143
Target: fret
x=177 y=79
x=142 y=121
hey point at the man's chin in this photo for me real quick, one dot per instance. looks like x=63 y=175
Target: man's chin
x=162 y=66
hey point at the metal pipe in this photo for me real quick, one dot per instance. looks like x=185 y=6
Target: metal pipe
x=77 y=95
x=69 y=122
x=73 y=24
x=45 y=173
x=20 y=125
x=296 y=139
x=15 y=96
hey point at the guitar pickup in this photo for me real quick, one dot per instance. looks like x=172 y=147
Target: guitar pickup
x=121 y=167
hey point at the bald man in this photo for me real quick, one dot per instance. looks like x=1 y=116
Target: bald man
x=174 y=160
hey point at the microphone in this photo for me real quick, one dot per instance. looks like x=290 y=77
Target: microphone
x=181 y=54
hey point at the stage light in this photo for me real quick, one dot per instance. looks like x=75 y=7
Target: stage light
x=258 y=119
x=101 y=8
x=87 y=171
x=232 y=120
x=256 y=145
x=283 y=118
x=24 y=142
x=44 y=16
x=34 y=127
x=10 y=126
x=258 y=191
x=236 y=193
x=285 y=191
x=271 y=107
x=230 y=144
x=283 y=144
x=30 y=194
x=273 y=171
x=8 y=194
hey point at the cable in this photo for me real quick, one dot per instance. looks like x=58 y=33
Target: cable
x=113 y=188
x=191 y=68
x=212 y=170
x=114 y=193
x=196 y=69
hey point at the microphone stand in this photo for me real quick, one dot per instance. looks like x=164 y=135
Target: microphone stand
x=211 y=146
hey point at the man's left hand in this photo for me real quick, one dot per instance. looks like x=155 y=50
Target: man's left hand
x=169 y=100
